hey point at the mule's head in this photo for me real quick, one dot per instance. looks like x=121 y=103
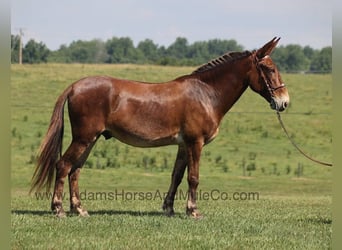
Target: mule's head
x=264 y=77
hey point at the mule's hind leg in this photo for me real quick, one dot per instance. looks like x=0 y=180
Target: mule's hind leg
x=62 y=170
x=75 y=201
x=72 y=159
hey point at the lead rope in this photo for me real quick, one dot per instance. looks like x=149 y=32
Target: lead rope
x=296 y=146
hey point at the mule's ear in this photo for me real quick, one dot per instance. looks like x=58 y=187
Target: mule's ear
x=267 y=48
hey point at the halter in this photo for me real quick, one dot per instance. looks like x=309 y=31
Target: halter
x=269 y=87
x=271 y=90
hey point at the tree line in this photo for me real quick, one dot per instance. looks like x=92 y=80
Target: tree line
x=289 y=58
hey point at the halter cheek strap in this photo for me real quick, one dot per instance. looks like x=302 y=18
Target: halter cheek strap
x=269 y=87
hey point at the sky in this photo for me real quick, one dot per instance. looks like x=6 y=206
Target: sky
x=251 y=23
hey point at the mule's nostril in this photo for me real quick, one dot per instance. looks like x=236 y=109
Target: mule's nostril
x=285 y=104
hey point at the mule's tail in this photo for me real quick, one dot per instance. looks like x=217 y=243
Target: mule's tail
x=51 y=147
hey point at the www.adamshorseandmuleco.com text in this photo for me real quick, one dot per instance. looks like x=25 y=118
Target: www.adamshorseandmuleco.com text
x=123 y=195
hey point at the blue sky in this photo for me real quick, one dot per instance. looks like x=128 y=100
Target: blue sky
x=251 y=23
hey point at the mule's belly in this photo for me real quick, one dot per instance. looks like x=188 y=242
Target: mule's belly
x=150 y=123
x=141 y=140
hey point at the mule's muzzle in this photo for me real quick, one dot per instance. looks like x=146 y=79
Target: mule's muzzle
x=279 y=104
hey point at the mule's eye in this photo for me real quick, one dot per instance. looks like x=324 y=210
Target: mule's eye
x=268 y=69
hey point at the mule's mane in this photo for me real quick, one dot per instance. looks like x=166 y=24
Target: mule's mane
x=226 y=58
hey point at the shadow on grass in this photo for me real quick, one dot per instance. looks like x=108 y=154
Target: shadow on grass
x=31 y=212
x=99 y=212
x=318 y=220
x=127 y=212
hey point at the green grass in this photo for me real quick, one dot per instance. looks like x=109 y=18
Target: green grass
x=295 y=195
x=273 y=222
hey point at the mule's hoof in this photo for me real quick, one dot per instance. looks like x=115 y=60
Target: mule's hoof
x=79 y=211
x=59 y=212
x=61 y=215
x=168 y=210
x=84 y=213
x=194 y=213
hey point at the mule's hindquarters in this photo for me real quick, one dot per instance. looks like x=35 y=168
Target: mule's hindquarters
x=88 y=104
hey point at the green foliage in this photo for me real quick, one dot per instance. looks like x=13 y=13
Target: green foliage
x=294 y=58
x=120 y=50
x=179 y=48
x=322 y=61
x=15 y=40
x=34 y=52
x=93 y=51
x=290 y=58
x=149 y=50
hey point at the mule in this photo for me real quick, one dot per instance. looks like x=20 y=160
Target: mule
x=186 y=111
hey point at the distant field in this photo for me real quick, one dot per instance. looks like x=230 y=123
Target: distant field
x=251 y=155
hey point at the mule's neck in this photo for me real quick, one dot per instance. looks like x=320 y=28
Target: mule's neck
x=228 y=82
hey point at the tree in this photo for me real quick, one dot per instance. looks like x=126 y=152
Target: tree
x=291 y=58
x=34 y=52
x=217 y=47
x=99 y=51
x=322 y=62
x=198 y=53
x=15 y=40
x=93 y=51
x=279 y=57
x=296 y=60
x=149 y=50
x=121 y=50
x=79 y=52
x=309 y=52
x=62 y=55
x=179 y=48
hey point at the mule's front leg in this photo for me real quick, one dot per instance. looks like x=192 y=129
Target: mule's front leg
x=75 y=201
x=177 y=176
x=194 y=153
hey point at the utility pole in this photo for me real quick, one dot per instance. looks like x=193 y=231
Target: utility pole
x=21 y=33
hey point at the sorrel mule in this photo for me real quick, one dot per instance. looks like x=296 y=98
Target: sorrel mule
x=186 y=112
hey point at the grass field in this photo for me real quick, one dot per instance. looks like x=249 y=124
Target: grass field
x=256 y=190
